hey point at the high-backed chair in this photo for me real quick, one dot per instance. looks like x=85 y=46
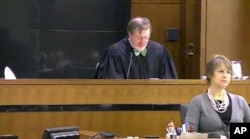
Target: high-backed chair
x=183 y=111
x=9 y=136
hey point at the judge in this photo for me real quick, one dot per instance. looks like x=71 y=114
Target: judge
x=136 y=56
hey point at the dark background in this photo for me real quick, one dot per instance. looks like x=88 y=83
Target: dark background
x=58 y=38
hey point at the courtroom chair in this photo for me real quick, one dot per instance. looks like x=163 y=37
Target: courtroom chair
x=105 y=135
x=9 y=136
x=183 y=111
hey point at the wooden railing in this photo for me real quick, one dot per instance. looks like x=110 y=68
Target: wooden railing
x=17 y=95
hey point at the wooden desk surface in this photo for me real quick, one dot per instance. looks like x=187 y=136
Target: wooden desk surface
x=41 y=93
x=86 y=134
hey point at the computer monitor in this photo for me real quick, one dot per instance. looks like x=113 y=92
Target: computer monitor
x=67 y=132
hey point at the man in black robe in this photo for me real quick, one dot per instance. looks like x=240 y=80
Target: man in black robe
x=136 y=56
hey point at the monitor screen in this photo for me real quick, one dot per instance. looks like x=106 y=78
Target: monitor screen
x=67 y=132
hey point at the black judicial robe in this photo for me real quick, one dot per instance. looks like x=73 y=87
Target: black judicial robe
x=120 y=62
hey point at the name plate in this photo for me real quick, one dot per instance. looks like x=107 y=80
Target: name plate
x=193 y=135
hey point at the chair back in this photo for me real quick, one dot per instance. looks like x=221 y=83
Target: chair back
x=183 y=111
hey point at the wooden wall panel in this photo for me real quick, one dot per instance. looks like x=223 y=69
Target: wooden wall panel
x=31 y=125
x=225 y=30
x=28 y=92
x=183 y=15
x=136 y=123
x=163 y=14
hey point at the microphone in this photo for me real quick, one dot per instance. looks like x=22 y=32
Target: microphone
x=130 y=62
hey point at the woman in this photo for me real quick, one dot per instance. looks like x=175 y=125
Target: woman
x=212 y=111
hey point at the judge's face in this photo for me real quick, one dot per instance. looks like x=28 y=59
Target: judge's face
x=139 y=39
x=221 y=77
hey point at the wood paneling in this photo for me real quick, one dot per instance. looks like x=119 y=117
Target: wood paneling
x=127 y=123
x=191 y=13
x=31 y=91
x=31 y=125
x=183 y=15
x=163 y=14
x=225 y=30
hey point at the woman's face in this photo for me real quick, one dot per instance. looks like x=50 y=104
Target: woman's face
x=139 y=39
x=221 y=77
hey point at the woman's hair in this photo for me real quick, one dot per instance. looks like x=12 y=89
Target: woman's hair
x=140 y=24
x=215 y=62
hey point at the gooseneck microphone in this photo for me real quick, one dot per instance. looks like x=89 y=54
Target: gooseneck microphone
x=130 y=62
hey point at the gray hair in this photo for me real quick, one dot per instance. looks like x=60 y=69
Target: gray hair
x=140 y=24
